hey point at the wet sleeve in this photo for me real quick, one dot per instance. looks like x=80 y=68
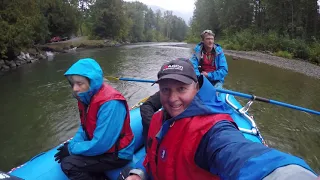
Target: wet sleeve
x=291 y=172
x=111 y=116
x=225 y=152
x=79 y=136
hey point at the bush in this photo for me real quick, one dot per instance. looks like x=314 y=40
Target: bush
x=282 y=46
x=259 y=43
x=315 y=53
x=302 y=51
x=193 y=39
x=284 y=54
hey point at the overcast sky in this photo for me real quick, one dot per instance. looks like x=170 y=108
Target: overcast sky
x=178 y=5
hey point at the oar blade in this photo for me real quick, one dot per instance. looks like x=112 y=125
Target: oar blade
x=112 y=78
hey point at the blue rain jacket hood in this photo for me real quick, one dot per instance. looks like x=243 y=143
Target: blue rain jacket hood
x=90 y=69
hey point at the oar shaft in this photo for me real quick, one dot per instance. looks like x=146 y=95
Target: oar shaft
x=257 y=98
x=235 y=93
x=137 y=80
x=248 y=96
x=294 y=107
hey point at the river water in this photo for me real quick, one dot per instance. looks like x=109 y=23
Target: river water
x=38 y=112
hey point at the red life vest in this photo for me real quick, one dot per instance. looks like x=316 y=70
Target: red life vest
x=88 y=116
x=173 y=158
x=208 y=64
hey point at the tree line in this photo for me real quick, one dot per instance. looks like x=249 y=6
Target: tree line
x=25 y=23
x=282 y=26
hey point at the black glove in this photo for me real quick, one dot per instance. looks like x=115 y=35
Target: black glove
x=62 y=152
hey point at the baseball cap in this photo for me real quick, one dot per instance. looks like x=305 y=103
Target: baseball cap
x=180 y=69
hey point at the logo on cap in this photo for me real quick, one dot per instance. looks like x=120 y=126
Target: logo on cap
x=173 y=66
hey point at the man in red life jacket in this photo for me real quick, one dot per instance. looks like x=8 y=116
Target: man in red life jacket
x=209 y=60
x=194 y=137
x=104 y=140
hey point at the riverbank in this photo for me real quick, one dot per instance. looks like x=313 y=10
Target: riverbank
x=297 y=65
x=25 y=57
x=79 y=42
x=47 y=51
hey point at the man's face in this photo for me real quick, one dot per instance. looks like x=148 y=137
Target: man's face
x=79 y=84
x=176 y=96
x=208 y=41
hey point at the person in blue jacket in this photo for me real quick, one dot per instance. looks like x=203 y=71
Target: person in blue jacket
x=220 y=150
x=104 y=140
x=209 y=60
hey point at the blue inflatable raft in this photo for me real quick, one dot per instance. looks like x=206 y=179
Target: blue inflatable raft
x=44 y=167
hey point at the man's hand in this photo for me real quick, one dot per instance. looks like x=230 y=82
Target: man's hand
x=62 y=153
x=133 y=177
x=205 y=74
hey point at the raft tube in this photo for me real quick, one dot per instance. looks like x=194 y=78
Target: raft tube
x=44 y=167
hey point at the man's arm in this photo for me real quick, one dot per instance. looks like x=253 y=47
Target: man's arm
x=291 y=172
x=79 y=136
x=195 y=62
x=111 y=116
x=225 y=152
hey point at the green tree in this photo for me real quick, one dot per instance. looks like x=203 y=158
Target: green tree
x=179 y=29
x=149 y=25
x=18 y=26
x=84 y=7
x=135 y=12
x=61 y=16
x=107 y=18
